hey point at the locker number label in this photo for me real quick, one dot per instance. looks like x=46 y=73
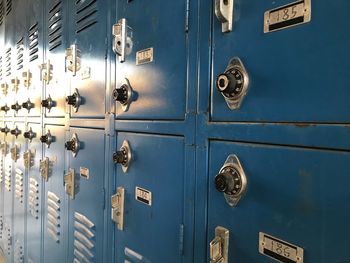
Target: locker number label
x=287 y=16
x=143 y=196
x=280 y=250
x=144 y=56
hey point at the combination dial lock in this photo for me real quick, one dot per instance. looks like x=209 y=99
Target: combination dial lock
x=16 y=107
x=123 y=156
x=231 y=180
x=29 y=134
x=73 y=145
x=124 y=95
x=27 y=105
x=15 y=132
x=5 y=130
x=74 y=100
x=47 y=138
x=233 y=84
x=5 y=108
x=48 y=103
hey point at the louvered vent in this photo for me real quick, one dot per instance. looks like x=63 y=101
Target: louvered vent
x=53 y=216
x=8 y=62
x=86 y=14
x=8 y=181
x=55 y=25
x=18 y=251
x=8 y=6
x=19 y=185
x=83 y=238
x=20 y=50
x=33 y=42
x=33 y=198
x=1 y=12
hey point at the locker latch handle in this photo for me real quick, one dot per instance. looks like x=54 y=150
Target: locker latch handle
x=117 y=201
x=122 y=39
x=72 y=59
x=224 y=13
x=219 y=245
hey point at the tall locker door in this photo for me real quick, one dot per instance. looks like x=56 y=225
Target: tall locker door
x=295 y=199
x=285 y=65
x=153 y=78
x=56 y=81
x=2 y=49
x=84 y=182
x=34 y=201
x=8 y=193
x=85 y=57
x=55 y=212
x=151 y=189
x=35 y=68
x=20 y=190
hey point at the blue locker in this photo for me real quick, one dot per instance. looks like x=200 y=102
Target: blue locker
x=85 y=57
x=154 y=224
x=289 y=81
x=55 y=199
x=56 y=81
x=35 y=207
x=295 y=194
x=156 y=62
x=85 y=175
x=20 y=182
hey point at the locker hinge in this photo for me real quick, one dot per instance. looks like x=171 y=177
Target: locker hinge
x=109 y=124
x=181 y=239
x=103 y=198
x=187 y=16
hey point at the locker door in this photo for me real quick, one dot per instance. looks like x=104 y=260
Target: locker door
x=85 y=61
x=56 y=210
x=156 y=60
x=19 y=178
x=86 y=210
x=153 y=199
x=2 y=186
x=294 y=195
x=56 y=83
x=34 y=200
x=289 y=81
x=35 y=68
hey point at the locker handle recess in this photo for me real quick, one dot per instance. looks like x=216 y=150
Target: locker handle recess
x=224 y=13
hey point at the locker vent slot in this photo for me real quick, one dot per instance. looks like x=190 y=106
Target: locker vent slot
x=1 y=172
x=33 y=42
x=86 y=14
x=33 y=198
x=8 y=239
x=18 y=252
x=55 y=25
x=8 y=182
x=1 y=226
x=1 y=12
x=20 y=51
x=8 y=6
x=84 y=238
x=0 y=68
x=53 y=216
x=19 y=185
x=8 y=62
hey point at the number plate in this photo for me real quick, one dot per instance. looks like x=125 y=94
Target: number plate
x=280 y=250
x=287 y=16
x=144 y=56
x=143 y=196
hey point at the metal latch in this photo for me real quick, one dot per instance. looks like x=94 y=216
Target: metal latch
x=14 y=153
x=73 y=61
x=4 y=148
x=46 y=72
x=28 y=157
x=27 y=76
x=70 y=183
x=4 y=88
x=123 y=156
x=224 y=13
x=45 y=168
x=122 y=39
x=118 y=208
x=15 y=84
x=219 y=245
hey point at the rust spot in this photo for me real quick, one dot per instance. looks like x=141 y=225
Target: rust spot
x=302 y=125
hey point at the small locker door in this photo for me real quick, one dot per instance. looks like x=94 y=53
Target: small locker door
x=295 y=199
x=153 y=185
x=295 y=71
x=153 y=78
x=18 y=155
x=84 y=183
x=35 y=195
x=35 y=68
x=85 y=57
x=56 y=81
x=55 y=200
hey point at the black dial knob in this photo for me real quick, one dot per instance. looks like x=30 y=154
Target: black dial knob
x=15 y=132
x=5 y=130
x=16 y=107
x=228 y=181
x=47 y=138
x=231 y=83
x=29 y=134
x=48 y=103
x=70 y=146
x=28 y=105
x=121 y=94
x=44 y=138
x=121 y=156
x=71 y=100
x=5 y=108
